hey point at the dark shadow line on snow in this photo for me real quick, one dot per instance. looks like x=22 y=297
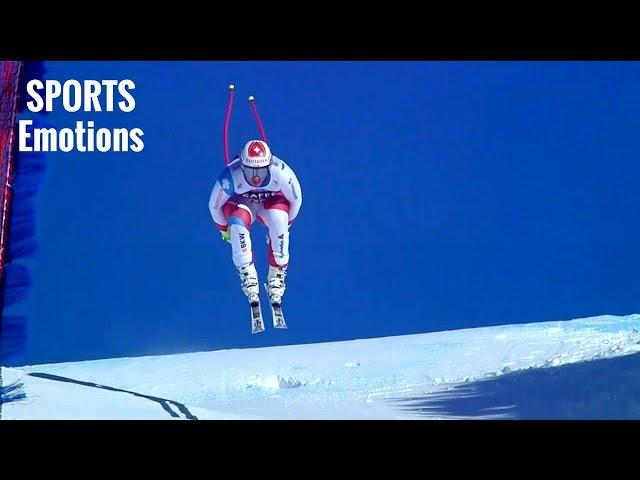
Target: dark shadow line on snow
x=164 y=403
x=602 y=389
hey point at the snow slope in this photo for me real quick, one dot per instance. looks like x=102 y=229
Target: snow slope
x=359 y=379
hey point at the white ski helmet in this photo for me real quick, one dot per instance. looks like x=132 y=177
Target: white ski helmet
x=256 y=154
x=255 y=160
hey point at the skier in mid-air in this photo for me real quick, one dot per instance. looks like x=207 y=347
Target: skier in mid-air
x=257 y=185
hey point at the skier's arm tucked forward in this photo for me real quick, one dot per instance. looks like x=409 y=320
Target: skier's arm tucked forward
x=292 y=191
x=222 y=191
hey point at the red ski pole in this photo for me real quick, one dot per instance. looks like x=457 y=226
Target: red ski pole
x=255 y=114
x=225 y=133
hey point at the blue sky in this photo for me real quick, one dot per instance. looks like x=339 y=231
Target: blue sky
x=437 y=196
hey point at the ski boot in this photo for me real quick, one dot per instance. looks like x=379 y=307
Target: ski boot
x=249 y=282
x=275 y=284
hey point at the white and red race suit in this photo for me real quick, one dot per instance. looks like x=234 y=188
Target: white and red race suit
x=235 y=204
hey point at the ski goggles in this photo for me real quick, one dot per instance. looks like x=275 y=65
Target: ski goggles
x=255 y=176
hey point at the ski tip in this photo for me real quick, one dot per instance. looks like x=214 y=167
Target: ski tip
x=231 y=86
x=251 y=98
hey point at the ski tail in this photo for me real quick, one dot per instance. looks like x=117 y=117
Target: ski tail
x=257 y=322
x=277 y=314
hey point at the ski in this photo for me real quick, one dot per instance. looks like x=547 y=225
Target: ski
x=276 y=313
x=278 y=316
x=257 y=322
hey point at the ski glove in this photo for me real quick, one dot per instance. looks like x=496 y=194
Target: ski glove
x=226 y=235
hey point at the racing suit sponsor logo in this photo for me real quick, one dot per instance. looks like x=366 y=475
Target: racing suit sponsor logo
x=216 y=204
x=281 y=245
x=259 y=197
x=293 y=188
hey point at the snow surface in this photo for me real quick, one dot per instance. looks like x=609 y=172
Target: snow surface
x=358 y=379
